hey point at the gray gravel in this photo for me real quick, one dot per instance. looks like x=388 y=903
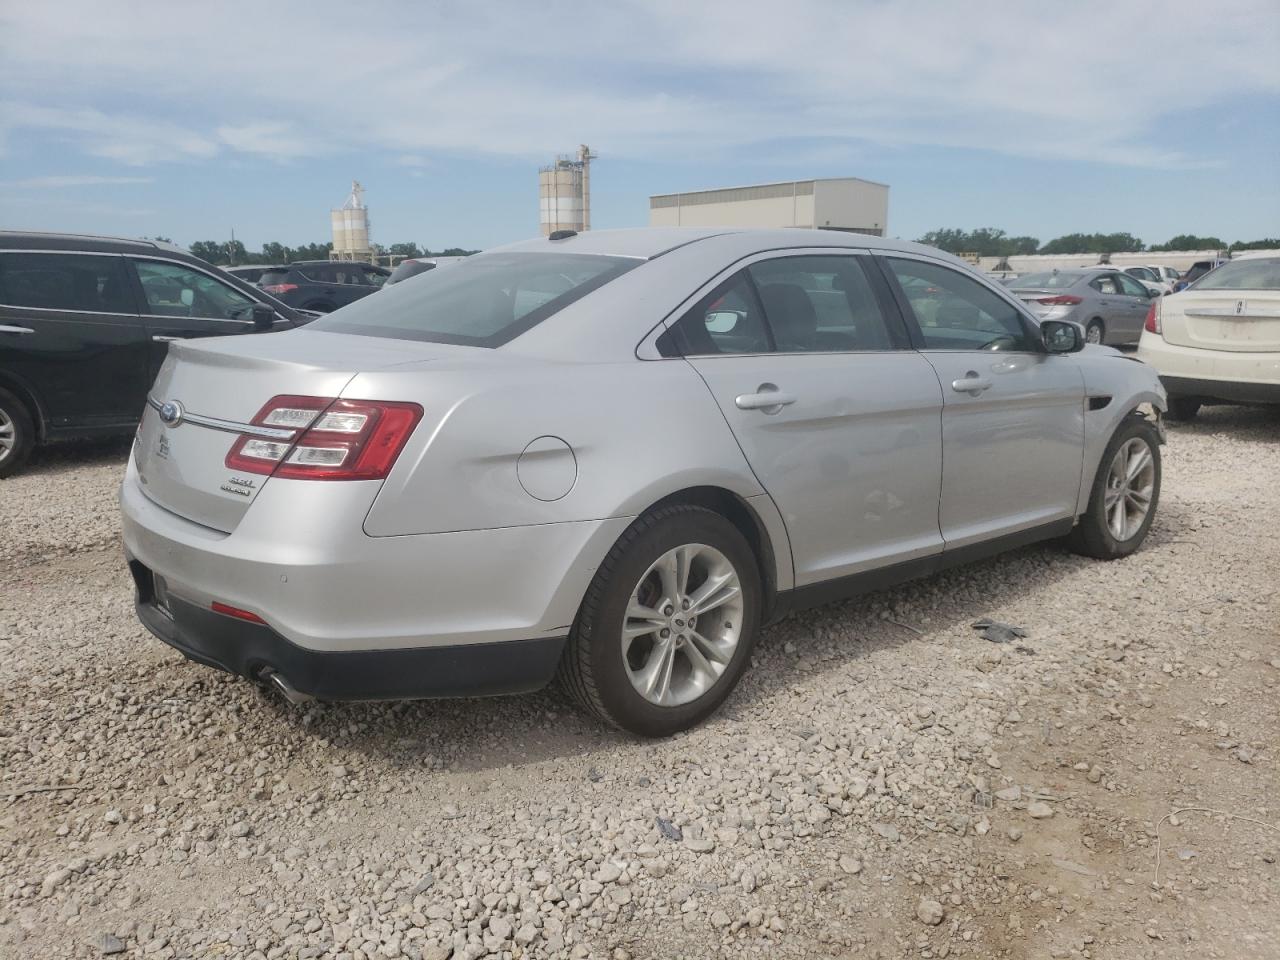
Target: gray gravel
x=878 y=783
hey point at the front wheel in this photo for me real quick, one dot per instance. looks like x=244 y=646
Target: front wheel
x=17 y=434
x=668 y=624
x=1126 y=491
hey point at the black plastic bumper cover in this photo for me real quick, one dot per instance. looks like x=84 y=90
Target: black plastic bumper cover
x=247 y=649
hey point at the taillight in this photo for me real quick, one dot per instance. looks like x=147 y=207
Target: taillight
x=279 y=288
x=1061 y=300
x=328 y=439
x=1152 y=324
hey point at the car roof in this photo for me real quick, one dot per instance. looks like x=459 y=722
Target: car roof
x=35 y=240
x=646 y=243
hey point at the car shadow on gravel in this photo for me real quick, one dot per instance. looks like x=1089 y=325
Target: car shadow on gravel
x=1252 y=424
x=72 y=454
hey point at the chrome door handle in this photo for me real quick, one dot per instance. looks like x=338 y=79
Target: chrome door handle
x=162 y=339
x=767 y=398
x=16 y=330
x=971 y=384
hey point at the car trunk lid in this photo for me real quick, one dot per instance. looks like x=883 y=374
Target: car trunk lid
x=206 y=394
x=1242 y=321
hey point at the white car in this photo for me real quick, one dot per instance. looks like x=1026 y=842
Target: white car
x=1151 y=278
x=1218 y=341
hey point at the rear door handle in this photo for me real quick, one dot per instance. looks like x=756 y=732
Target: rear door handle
x=971 y=384
x=4 y=328
x=162 y=339
x=767 y=398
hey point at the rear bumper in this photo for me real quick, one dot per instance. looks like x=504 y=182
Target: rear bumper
x=252 y=650
x=1234 y=376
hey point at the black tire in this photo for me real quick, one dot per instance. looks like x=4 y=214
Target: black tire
x=1098 y=325
x=1092 y=535
x=1182 y=409
x=593 y=669
x=15 y=421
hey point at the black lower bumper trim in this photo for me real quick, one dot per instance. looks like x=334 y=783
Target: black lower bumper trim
x=1231 y=391
x=249 y=649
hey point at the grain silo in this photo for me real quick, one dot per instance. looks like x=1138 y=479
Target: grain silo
x=351 y=227
x=564 y=193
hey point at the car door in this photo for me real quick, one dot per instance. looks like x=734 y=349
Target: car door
x=1136 y=299
x=71 y=335
x=1013 y=414
x=1110 y=304
x=183 y=302
x=837 y=416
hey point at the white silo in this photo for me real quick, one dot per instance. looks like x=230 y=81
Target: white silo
x=351 y=227
x=564 y=193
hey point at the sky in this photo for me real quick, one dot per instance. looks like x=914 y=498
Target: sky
x=193 y=121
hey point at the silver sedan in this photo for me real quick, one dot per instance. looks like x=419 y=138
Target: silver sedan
x=1111 y=305
x=614 y=457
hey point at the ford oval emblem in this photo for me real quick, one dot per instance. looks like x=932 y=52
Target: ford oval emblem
x=171 y=413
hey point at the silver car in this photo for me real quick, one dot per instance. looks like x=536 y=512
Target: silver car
x=614 y=457
x=1111 y=305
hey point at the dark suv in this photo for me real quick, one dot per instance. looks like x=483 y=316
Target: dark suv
x=323 y=285
x=85 y=323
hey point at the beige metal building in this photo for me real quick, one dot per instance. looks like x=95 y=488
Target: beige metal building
x=840 y=203
x=564 y=193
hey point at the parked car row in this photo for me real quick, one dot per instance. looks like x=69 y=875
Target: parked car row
x=85 y=323
x=1109 y=304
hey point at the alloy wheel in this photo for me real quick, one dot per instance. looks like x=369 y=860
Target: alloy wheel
x=682 y=625
x=1093 y=334
x=1130 y=486
x=8 y=435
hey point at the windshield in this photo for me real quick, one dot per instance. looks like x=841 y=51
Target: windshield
x=484 y=301
x=1046 y=281
x=1262 y=274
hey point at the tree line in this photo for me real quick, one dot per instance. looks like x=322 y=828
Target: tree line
x=234 y=253
x=994 y=242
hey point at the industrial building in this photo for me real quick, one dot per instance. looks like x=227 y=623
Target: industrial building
x=564 y=193
x=840 y=203
x=351 y=228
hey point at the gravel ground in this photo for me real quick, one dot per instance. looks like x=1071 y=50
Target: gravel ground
x=884 y=784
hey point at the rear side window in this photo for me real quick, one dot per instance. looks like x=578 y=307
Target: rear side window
x=1105 y=284
x=485 y=301
x=820 y=304
x=729 y=320
x=63 y=281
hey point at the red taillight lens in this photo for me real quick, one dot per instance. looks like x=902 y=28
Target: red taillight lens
x=1061 y=300
x=329 y=439
x=227 y=610
x=279 y=288
x=1153 y=318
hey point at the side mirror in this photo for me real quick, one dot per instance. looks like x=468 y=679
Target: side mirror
x=264 y=317
x=1062 y=336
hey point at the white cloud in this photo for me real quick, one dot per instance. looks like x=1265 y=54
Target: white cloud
x=71 y=180
x=1090 y=80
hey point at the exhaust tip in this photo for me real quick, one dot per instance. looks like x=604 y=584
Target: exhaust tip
x=285 y=688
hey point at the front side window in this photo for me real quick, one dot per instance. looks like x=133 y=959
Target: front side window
x=485 y=301
x=729 y=319
x=1261 y=274
x=1142 y=273
x=64 y=281
x=173 y=290
x=956 y=312
x=375 y=277
x=820 y=304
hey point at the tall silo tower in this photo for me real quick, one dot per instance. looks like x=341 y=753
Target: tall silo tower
x=351 y=227
x=564 y=193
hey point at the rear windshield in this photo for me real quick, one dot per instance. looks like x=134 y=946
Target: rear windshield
x=1263 y=274
x=485 y=301
x=1045 y=281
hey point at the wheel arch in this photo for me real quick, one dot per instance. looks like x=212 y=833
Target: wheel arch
x=28 y=399
x=764 y=533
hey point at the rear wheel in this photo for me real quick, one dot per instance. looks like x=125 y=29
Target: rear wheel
x=1126 y=491
x=668 y=623
x=1183 y=409
x=1094 y=332
x=17 y=434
